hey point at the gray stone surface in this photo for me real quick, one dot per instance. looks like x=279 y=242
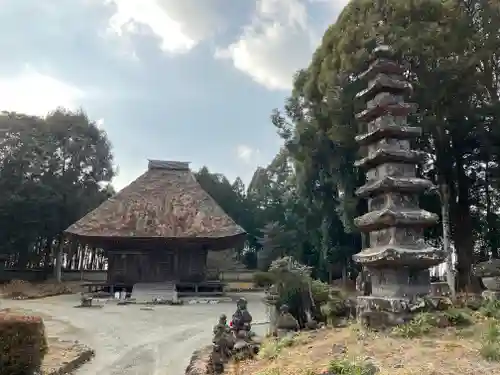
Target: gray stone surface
x=398 y=257
x=131 y=341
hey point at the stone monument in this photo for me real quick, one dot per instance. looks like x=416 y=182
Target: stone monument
x=241 y=319
x=270 y=301
x=397 y=258
x=223 y=337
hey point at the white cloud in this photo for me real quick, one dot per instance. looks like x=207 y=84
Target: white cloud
x=34 y=93
x=129 y=13
x=180 y=25
x=275 y=45
x=247 y=154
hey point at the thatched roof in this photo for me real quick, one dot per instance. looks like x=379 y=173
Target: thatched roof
x=165 y=202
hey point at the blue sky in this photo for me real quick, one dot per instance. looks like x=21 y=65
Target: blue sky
x=190 y=80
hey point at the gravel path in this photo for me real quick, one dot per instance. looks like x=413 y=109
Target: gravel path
x=131 y=341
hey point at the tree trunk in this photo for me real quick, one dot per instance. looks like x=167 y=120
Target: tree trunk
x=445 y=214
x=463 y=238
x=58 y=262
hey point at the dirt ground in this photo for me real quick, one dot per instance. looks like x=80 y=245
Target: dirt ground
x=442 y=354
x=60 y=353
x=21 y=289
x=129 y=340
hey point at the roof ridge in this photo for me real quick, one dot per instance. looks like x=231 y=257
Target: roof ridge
x=172 y=165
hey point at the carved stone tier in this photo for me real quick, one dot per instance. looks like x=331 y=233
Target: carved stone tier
x=396 y=109
x=387 y=155
x=383 y=83
x=394 y=255
x=388 y=131
x=398 y=257
x=381 y=65
x=377 y=221
x=406 y=185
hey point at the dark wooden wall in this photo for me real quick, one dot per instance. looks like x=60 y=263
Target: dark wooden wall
x=156 y=265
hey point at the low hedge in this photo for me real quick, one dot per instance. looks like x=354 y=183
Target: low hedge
x=263 y=279
x=23 y=344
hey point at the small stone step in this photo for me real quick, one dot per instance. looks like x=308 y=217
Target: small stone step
x=150 y=291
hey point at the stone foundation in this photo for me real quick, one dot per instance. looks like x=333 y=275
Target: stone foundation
x=378 y=312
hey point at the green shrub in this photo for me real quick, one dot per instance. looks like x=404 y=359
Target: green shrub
x=490 y=347
x=23 y=344
x=320 y=292
x=420 y=325
x=332 y=310
x=272 y=348
x=491 y=309
x=345 y=367
x=263 y=279
x=459 y=317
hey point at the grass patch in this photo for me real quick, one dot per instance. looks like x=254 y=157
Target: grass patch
x=490 y=342
x=345 y=367
x=459 y=317
x=424 y=323
x=271 y=348
x=491 y=309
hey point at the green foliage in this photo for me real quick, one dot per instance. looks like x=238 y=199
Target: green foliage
x=53 y=170
x=293 y=284
x=420 y=325
x=333 y=310
x=320 y=292
x=263 y=279
x=459 y=317
x=271 y=348
x=491 y=309
x=440 y=42
x=346 y=367
x=490 y=342
x=23 y=344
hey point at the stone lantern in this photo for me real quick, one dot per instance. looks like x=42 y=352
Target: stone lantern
x=271 y=300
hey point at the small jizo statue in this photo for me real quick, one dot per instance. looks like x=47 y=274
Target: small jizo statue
x=286 y=321
x=241 y=319
x=223 y=337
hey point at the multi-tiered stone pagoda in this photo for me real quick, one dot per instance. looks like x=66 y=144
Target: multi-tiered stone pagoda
x=397 y=258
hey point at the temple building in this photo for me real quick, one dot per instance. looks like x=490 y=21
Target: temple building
x=159 y=228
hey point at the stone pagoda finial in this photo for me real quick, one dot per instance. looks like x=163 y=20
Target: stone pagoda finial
x=398 y=258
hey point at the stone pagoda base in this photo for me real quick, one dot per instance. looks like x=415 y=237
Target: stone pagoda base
x=378 y=312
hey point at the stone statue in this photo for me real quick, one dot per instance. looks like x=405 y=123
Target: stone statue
x=286 y=322
x=241 y=320
x=222 y=325
x=223 y=337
